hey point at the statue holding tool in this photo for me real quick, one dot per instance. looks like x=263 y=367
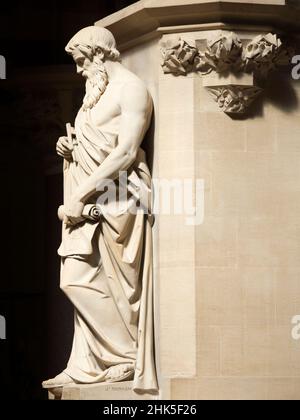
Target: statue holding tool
x=106 y=251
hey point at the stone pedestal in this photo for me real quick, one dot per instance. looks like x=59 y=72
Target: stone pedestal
x=109 y=392
x=227 y=287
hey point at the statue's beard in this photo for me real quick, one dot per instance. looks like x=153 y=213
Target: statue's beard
x=97 y=81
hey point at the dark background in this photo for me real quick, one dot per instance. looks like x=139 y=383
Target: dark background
x=41 y=93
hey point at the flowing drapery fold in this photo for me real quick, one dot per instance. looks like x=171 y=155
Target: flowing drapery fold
x=107 y=268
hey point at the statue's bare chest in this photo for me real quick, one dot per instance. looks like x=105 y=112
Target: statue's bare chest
x=108 y=107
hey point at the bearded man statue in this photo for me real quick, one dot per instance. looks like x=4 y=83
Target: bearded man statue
x=106 y=268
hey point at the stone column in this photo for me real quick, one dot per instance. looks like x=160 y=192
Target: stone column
x=227 y=112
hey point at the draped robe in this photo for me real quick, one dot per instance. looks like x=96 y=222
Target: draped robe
x=106 y=268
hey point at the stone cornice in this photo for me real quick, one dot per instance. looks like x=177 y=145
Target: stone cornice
x=143 y=19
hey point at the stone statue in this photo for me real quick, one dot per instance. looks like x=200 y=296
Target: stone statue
x=106 y=268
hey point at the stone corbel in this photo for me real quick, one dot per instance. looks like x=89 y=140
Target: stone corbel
x=231 y=68
x=234 y=94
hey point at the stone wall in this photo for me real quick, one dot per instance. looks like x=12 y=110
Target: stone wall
x=227 y=289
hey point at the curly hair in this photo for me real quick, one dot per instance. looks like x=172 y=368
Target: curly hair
x=94 y=41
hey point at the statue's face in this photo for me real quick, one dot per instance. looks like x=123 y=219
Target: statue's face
x=83 y=63
x=94 y=71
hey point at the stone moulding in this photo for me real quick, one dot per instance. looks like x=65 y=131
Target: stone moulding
x=147 y=19
x=225 y=54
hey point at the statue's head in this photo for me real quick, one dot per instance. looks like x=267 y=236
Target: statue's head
x=90 y=48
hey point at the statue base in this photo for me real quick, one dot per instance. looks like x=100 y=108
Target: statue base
x=105 y=391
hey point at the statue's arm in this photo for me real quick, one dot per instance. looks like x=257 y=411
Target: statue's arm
x=136 y=109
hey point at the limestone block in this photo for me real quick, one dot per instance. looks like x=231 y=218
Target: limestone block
x=237 y=389
x=216 y=131
x=288 y=134
x=255 y=184
x=261 y=135
x=258 y=296
x=216 y=79
x=110 y=392
x=287 y=298
x=208 y=350
x=264 y=351
x=177 y=341
x=216 y=242
x=227 y=289
x=269 y=243
x=219 y=297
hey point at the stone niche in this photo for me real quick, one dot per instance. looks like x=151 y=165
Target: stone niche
x=227 y=112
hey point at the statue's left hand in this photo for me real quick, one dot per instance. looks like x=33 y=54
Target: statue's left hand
x=73 y=211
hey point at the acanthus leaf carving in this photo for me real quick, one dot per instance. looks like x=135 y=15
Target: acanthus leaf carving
x=264 y=53
x=234 y=99
x=226 y=54
x=178 y=57
x=201 y=65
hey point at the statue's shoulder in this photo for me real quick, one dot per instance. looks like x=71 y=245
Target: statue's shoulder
x=132 y=81
x=134 y=87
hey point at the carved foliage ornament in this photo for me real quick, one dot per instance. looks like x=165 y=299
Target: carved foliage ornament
x=265 y=53
x=179 y=57
x=234 y=99
x=225 y=54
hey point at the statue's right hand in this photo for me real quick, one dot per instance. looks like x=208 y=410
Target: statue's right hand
x=64 y=149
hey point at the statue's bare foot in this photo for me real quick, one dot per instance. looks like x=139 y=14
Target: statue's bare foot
x=120 y=373
x=59 y=381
